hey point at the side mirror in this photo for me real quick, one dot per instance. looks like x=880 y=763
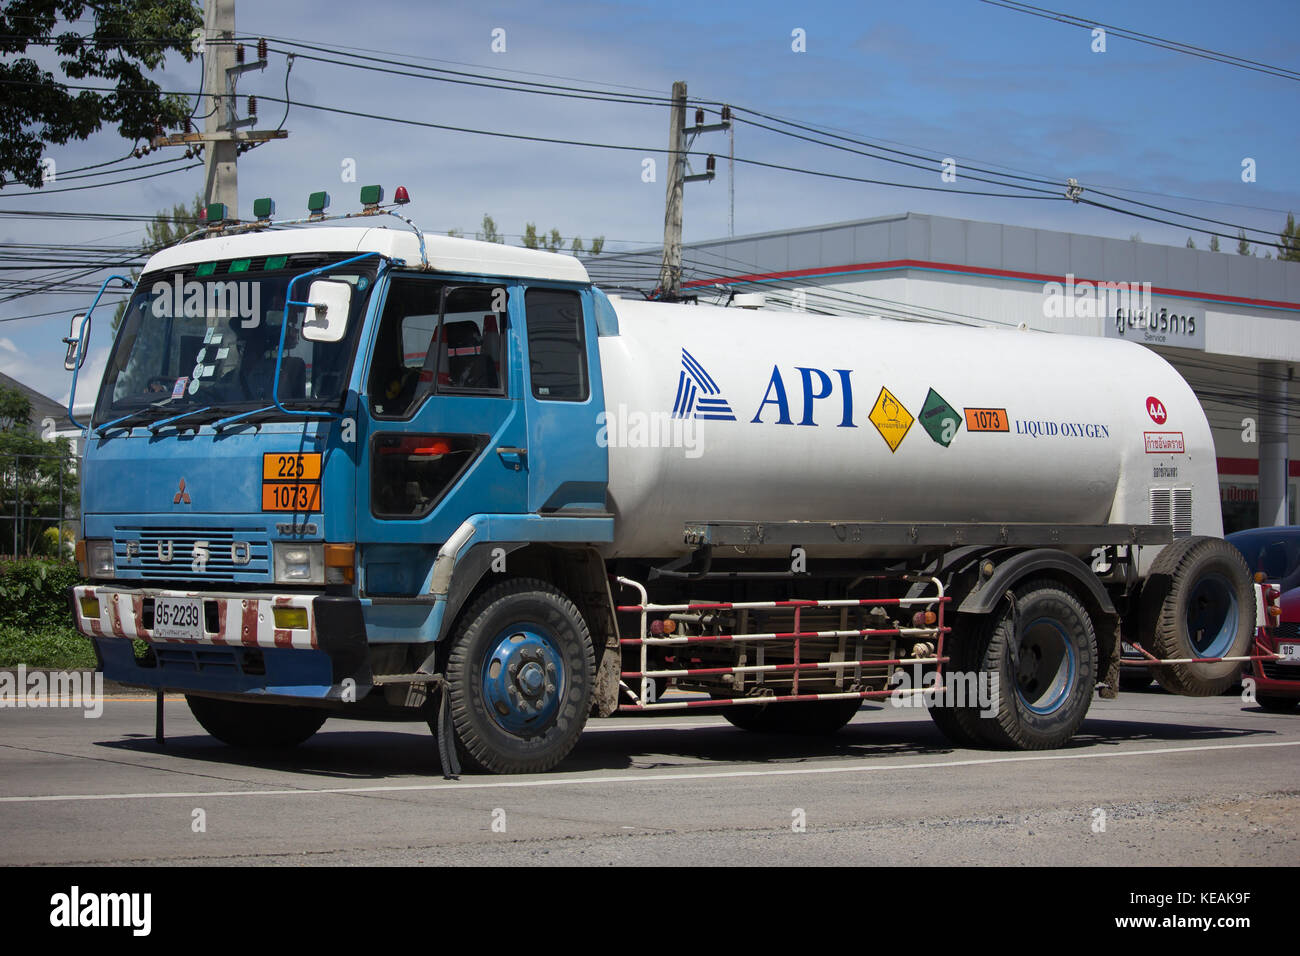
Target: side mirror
x=73 y=341
x=327 y=316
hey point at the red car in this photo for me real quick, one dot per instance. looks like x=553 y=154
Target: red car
x=1277 y=682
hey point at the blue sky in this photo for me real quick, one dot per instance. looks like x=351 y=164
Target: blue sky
x=955 y=78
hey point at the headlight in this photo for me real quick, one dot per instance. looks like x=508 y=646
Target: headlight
x=99 y=559
x=299 y=563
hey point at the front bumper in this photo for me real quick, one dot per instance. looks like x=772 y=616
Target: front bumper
x=239 y=649
x=1274 y=678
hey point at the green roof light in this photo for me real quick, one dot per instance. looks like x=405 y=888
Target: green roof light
x=216 y=212
x=263 y=208
x=317 y=203
x=206 y=269
x=275 y=262
x=240 y=265
x=372 y=195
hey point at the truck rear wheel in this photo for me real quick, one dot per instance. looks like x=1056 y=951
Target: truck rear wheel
x=256 y=726
x=1043 y=650
x=811 y=718
x=1198 y=601
x=520 y=678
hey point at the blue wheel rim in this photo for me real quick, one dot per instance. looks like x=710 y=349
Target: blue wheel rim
x=523 y=679
x=1047 y=665
x=1212 y=616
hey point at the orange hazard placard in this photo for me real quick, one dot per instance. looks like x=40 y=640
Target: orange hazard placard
x=290 y=467
x=284 y=496
x=986 y=419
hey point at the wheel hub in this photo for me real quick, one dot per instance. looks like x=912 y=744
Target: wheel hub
x=523 y=680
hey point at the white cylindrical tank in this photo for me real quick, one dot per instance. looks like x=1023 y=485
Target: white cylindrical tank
x=729 y=414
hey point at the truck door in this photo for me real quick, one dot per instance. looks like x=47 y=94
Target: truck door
x=564 y=396
x=444 y=419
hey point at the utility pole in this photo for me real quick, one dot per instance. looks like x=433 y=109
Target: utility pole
x=220 y=174
x=679 y=140
x=224 y=136
x=670 y=273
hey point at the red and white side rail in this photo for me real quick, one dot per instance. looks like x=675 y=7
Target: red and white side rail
x=646 y=640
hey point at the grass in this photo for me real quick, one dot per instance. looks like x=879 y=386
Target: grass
x=56 y=646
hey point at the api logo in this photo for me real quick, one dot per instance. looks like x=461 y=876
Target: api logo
x=1156 y=409
x=698 y=395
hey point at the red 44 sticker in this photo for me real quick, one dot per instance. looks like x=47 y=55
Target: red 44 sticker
x=1156 y=409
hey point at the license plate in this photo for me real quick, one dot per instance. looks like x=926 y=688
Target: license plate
x=1289 y=652
x=178 y=618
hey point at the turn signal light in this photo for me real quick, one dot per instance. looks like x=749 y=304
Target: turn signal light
x=90 y=608
x=339 y=563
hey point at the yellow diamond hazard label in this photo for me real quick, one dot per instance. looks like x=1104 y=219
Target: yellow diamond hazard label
x=891 y=419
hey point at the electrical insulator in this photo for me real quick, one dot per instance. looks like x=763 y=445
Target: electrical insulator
x=699 y=117
x=261 y=48
x=726 y=114
x=239 y=53
x=710 y=163
x=252 y=106
x=136 y=152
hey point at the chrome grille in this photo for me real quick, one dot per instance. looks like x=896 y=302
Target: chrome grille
x=142 y=550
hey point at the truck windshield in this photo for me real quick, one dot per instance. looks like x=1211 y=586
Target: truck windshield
x=189 y=341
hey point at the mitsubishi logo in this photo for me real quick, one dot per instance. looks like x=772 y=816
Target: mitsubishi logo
x=182 y=496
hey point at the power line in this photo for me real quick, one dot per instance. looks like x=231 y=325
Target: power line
x=1149 y=39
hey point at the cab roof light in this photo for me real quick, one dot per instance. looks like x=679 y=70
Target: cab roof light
x=317 y=203
x=263 y=209
x=400 y=196
x=216 y=213
x=371 y=197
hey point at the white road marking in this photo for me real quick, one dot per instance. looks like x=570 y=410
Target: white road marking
x=642 y=778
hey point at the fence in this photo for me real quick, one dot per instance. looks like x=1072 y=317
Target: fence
x=38 y=493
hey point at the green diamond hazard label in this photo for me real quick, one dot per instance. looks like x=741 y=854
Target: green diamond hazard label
x=939 y=419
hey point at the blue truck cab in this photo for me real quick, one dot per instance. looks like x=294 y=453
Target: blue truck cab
x=316 y=448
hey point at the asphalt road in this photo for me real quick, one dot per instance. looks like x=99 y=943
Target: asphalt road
x=1151 y=779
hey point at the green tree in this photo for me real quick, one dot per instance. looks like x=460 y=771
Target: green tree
x=1214 y=243
x=597 y=245
x=1190 y=243
x=1243 y=247
x=488 y=231
x=1288 y=246
x=124 y=40
x=36 y=477
x=165 y=229
x=530 y=239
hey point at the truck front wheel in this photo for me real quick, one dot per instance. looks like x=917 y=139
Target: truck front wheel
x=255 y=726
x=520 y=677
x=1043 y=651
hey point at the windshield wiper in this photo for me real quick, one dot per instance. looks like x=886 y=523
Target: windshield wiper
x=157 y=426
x=259 y=415
x=135 y=418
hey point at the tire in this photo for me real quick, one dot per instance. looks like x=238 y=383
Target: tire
x=1276 y=705
x=812 y=718
x=1198 y=601
x=520 y=677
x=959 y=724
x=1043 y=649
x=255 y=726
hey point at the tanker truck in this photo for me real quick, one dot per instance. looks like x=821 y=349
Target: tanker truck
x=354 y=471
